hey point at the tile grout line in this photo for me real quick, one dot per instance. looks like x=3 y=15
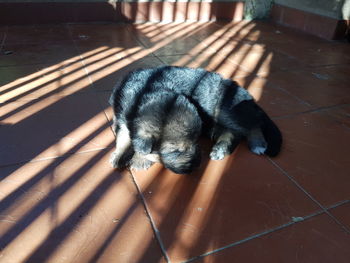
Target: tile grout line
x=338 y=204
x=153 y=224
x=2 y=44
x=319 y=109
x=310 y=196
x=80 y=58
x=90 y=82
x=87 y=74
x=54 y=157
x=143 y=200
x=346 y=228
x=135 y=37
x=292 y=95
x=327 y=65
x=244 y=240
x=71 y=60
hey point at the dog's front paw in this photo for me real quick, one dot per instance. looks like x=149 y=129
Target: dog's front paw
x=219 y=153
x=140 y=163
x=142 y=145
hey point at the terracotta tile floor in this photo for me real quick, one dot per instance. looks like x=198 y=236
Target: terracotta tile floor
x=62 y=202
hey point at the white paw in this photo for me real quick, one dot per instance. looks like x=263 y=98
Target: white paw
x=217 y=154
x=258 y=149
x=140 y=164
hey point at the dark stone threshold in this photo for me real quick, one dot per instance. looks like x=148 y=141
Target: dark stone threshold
x=46 y=13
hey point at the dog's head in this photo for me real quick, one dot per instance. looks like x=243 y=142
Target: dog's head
x=179 y=157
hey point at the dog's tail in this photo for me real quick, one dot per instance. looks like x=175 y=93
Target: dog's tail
x=272 y=134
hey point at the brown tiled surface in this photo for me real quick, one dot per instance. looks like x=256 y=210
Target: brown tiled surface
x=316 y=154
x=43 y=80
x=314 y=24
x=342 y=213
x=60 y=201
x=33 y=34
x=316 y=240
x=51 y=127
x=28 y=54
x=73 y=209
x=224 y=202
x=319 y=87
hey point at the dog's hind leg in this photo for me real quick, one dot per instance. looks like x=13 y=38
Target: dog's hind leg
x=256 y=141
x=225 y=143
x=120 y=158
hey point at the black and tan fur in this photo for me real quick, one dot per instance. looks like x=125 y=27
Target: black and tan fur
x=162 y=127
x=229 y=113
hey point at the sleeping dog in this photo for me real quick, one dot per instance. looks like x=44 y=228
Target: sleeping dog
x=155 y=126
x=229 y=113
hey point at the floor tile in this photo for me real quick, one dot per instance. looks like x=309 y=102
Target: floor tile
x=220 y=30
x=209 y=30
x=256 y=58
x=152 y=32
x=106 y=74
x=179 y=46
x=160 y=34
x=210 y=61
x=107 y=33
x=276 y=102
x=223 y=202
x=75 y=208
x=171 y=39
x=16 y=74
x=315 y=154
x=342 y=213
x=306 y=49
x=52 y=127
x=333 y=72
x=258 y=32
x=341 y=114
x=29 y=54
x=275 y=35
x=103 y=97
x=319 y=86
x=3 y=30
x=34 y=81
x=264 y=62
x=31 y=34
x=106 y=54
x=324 y=53
x=317 y=239
x=228 y=47
x=238 y=31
